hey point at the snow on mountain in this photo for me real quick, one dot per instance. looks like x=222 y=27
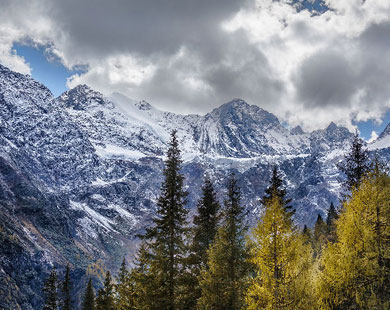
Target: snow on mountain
x=383 y=140
x=80 y=174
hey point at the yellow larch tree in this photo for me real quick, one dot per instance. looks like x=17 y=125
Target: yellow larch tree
x=355 y=271
x=282 y=262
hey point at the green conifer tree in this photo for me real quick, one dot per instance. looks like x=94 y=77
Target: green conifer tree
x=105 y=298
x=50 y=291
x=307 y=235
x=204 y=231
x=67 y=303
x=166 y=239
x=89 y=297
x=331 y=223
x=146 y=289
x=125 y=289
x=276 y=188
x=355 y=164
x=319 y=235
x=205 y=223
x=223 y=281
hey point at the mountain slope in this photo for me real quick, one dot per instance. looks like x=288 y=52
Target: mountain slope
x=80 y=174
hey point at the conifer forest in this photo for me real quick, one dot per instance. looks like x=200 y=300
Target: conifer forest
x=214 y=260
x=194 y=154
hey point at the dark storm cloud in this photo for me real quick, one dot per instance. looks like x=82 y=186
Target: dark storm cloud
x=228 y=66
x=177 y=55
x=244 y=72
x=330 y=78
x=374 y=72
x=325 y=79
x=141 y=26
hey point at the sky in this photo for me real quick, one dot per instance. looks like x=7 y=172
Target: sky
x=309 y=62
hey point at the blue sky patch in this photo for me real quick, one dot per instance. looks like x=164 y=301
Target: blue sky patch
x=45 y=68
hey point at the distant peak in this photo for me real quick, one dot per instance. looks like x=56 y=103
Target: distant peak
x=82 y=87
x=297 y=130
x=80 y=97
x=331 y=126
x=385 y=132
x=233 y=105
x=236 y=102
x=82 y=90
x=4 y=68
x=143 y=105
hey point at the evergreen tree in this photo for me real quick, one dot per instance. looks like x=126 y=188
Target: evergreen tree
x=276 y=188
x=204 y=231
x=319 y=227
x=355 y=164
x=66 y=288
x=166 y=239
x=223 y=281
x=125 y=289
x=146 y=289
x=282 y=262
x=331 y=223
x=51 y=292
x=205 y=223
x=89 y=297
x=332 y=215
x=105 y=298
x=355 y=271
x=307 y=236
x=319 y=235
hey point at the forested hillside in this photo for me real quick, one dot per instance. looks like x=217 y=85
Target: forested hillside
x=217 y=262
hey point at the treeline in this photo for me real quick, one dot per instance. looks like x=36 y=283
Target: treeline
x=217 y=263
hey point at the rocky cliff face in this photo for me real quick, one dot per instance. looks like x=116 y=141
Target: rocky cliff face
x=80 y=174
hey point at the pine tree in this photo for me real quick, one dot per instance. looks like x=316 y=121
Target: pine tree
x=307 y=235
x=66 y=288
x=355 y=164
x=276 y=188
x=125 y=289
x=204 y=231
x=332 y=215
x=319 y=235
x=282 y=262
x=89 y=297
x=146 y=289
x=166 y=240
x=51 y=292
x=223 y=281
x=205 y=223
x=331 y=223
x=105 y=298
x=355 y=271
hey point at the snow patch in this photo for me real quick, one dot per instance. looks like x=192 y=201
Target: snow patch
x=380 y=144
x=91 y=219
x=111 y=151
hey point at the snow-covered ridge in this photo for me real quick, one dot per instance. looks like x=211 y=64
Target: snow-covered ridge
x=235 y=129
x=86 y=168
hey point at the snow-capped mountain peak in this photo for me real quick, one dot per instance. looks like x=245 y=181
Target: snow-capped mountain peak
x=385 y=132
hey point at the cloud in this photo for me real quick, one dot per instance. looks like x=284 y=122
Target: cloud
x=373 y=137
x=190 y=56
x=325 y=79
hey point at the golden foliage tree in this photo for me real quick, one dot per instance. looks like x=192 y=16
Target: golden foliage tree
x=356 y=269
x=282 y=261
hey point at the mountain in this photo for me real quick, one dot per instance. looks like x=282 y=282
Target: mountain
x=80 y=174
x=383 y=141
